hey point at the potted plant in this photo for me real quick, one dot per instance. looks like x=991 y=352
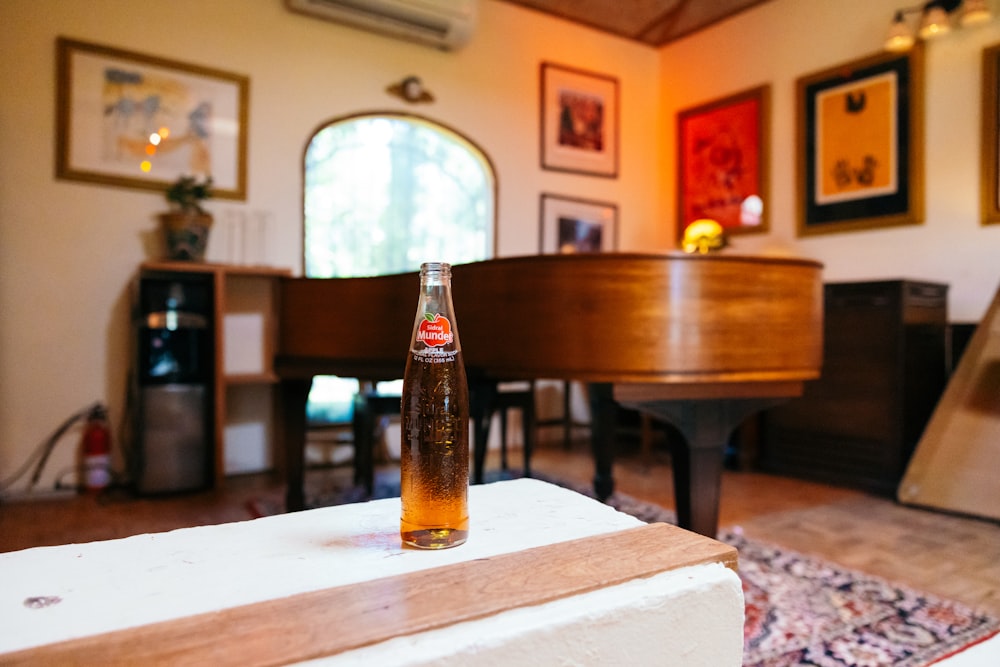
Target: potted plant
x=186 y=225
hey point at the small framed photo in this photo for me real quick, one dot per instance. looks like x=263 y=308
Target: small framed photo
x=860 y=145
x=579 y=121
x=723 y=162
x=133 y=120
x=990 y=168
x=570 y=225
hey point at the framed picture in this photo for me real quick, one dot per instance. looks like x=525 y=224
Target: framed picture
x=138 y=121
x=860 y=145
x=990 y=153
x=723 y=162
x=579 y=121
x=570 y=225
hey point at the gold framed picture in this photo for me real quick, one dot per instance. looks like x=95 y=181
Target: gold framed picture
x=579 y=121
x=860 y=145
x=133 y=120
x=990 y=151
x=723 y=162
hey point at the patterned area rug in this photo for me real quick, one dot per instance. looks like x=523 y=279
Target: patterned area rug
x=804 y=611
x=800 y=610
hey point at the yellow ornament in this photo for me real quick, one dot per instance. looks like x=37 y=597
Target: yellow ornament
x=703 y=236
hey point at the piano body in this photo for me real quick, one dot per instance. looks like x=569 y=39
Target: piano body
x=701 y=341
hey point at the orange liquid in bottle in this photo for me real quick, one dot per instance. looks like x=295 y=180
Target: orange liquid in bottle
x=434 y=470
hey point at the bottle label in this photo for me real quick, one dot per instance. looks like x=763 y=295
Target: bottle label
x=434 y=332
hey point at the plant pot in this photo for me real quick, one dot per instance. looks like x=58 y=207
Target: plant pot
x=186 y=235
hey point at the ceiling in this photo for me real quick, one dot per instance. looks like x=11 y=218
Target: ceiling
x=652 y=22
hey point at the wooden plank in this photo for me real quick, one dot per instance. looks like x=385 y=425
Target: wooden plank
x=331 y=621
x=954 y=465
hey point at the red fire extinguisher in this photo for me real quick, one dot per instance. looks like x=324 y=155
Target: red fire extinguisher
x=96 y=451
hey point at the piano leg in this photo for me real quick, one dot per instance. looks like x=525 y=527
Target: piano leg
x=603 y=412
x=294 y=395
x=697 y=463
x=481 y=396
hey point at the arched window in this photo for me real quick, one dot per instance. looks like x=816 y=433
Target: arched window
x=384 y=193
x=387 y=192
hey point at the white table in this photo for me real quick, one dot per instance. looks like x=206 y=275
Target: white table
x=541 y=580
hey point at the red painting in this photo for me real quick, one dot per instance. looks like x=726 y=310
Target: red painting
x=722 y=163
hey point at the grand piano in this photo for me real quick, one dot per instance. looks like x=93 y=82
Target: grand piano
x=701 y=341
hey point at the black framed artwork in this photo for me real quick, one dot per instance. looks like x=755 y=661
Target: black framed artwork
x=860 y=145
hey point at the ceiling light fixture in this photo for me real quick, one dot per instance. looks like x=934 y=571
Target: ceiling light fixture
x=974 y=12
x=934 y=21
x=900 y=37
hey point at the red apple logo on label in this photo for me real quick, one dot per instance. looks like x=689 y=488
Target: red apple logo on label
x=434 y=330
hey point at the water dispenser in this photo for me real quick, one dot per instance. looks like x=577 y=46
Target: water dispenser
x=175 y=362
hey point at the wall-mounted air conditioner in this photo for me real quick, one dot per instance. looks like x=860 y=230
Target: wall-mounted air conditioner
x=444 y=24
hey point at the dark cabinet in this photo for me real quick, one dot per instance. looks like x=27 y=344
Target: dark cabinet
x=884 y=369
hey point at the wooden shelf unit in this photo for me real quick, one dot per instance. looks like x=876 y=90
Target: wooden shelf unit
x=244 y=332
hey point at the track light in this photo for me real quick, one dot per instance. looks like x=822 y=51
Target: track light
x=974 y=12
x=900 y=37
x=934 y=21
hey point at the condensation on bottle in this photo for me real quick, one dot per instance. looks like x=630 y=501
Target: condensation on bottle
x=434 y=452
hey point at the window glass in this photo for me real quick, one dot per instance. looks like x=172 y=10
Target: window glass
x=383 y=194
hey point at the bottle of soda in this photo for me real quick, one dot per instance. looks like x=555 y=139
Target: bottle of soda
x=434 y=464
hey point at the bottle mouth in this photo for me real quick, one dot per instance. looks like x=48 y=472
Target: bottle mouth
x=435 y=268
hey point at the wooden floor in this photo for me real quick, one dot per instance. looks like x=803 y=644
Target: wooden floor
x=954 y=557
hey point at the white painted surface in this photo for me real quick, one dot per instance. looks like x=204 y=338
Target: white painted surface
x=692 y=617
x=249 y=420
x=696 y=612
x=243 y=347
x=984 y=654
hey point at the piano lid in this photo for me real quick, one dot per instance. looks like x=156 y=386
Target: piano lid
x=605 y=317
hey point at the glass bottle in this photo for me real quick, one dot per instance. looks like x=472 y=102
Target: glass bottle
x=434 y=453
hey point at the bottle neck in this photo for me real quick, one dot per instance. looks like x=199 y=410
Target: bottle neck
x=435 y=273
x=435 y=331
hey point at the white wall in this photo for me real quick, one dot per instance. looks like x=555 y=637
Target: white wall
x=783 y=40
x=68 y=250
